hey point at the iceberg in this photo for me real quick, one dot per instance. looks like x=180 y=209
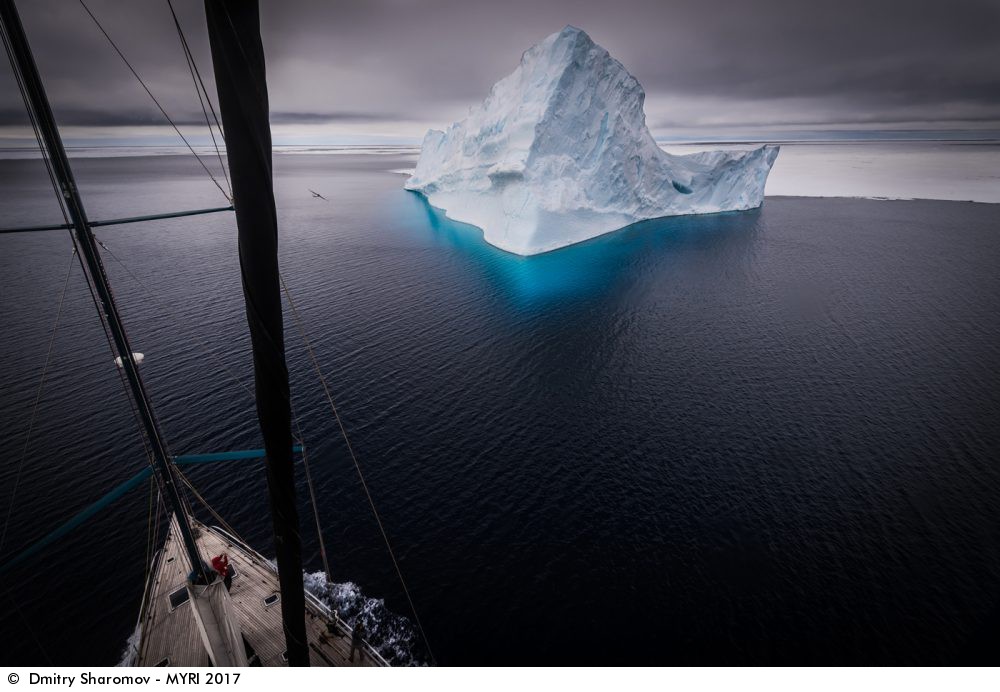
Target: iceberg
x=559 y=153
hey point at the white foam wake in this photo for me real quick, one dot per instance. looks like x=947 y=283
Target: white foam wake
x=131 y=650
x=392 y=635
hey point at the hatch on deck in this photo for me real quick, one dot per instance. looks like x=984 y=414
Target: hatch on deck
x=178 y=597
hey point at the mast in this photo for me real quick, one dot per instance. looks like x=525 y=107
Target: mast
x=240 y=78
x=26 y=70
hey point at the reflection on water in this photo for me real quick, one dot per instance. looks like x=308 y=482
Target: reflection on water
x=593 y=267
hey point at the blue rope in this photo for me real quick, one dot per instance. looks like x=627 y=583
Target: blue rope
x=224 y=456
x=83 y=516
x=119 y=491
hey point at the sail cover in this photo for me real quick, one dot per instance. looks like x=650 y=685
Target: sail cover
x=238 y=58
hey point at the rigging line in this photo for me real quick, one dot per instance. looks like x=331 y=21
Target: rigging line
x=158 y=105
x=197 y=72
x=34 y=408
x=60 y=200
x=120 y=370
x=152 y=542
x=312 y=499
x=155 y=541
x=149 y=529
x=204 y=111
x=60 y=194
x=196 y=79
x=133 y=405
x=201 y=82
x=62 y=208
x=157 y=517
x=198 y=340
x=27 y=626
x=357 y=466
x=203 y=501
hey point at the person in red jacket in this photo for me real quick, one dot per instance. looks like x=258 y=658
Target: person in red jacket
x=220 y=563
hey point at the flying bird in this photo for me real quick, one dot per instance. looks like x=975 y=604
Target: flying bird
x=316 y=194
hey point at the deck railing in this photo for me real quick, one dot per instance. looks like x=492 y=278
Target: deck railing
x=369 y=650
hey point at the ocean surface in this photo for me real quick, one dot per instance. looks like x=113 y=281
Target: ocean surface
x=957 y=170
x=761 y=437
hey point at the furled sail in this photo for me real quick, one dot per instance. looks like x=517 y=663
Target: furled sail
x=238 y=57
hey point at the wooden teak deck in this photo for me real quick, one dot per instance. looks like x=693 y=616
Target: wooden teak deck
x=170 y=634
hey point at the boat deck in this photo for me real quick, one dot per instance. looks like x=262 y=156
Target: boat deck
x=170 y=636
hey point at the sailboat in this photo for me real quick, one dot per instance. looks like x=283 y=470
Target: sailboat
x=210 y=599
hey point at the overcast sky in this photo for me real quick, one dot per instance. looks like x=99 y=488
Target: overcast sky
x=386 y=70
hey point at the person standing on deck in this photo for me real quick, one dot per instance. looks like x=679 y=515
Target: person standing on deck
x=220 y=563
x=357 y=640
x=333 y=626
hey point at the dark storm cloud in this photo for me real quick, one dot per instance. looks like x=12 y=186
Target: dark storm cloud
x=355 y=63
x=102 y=118
x=334 y=117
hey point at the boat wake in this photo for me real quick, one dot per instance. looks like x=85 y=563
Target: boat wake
x=131 y=649
x=392 y=635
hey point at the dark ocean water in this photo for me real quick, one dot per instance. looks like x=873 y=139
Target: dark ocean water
x=768 y=437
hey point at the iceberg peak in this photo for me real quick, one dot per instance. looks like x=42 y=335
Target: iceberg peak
x=559 y=152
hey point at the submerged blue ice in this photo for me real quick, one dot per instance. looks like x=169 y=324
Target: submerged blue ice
x=559 y=152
